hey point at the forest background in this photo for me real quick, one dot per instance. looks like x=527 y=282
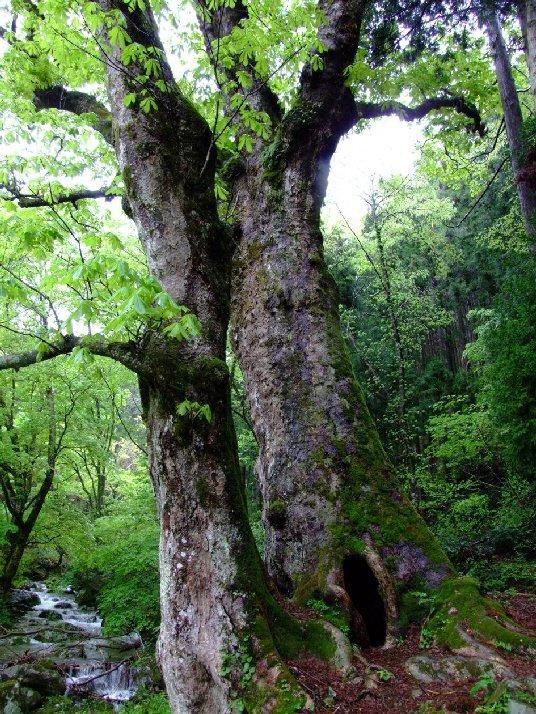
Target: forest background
x=437 y=290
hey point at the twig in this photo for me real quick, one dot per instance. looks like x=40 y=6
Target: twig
x=42 y=629
x=492 y=179
x=103 y=674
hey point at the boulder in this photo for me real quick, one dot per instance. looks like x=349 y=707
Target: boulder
x=18 y=699
x=50 y=615
x=64 y=605
x=427 y=670
x=43 y=677
x=515 y=707
x=22 y=600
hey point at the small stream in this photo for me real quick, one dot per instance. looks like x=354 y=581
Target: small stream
x=57 y=631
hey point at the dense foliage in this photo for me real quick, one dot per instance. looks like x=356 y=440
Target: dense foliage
x=439 y=319
x=437 y=295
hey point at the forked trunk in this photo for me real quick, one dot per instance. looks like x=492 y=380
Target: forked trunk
x=222 y=632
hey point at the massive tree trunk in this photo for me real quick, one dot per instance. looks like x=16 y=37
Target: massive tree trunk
x=329 y=492
x=523 y=157
x=222 y=631
x=337 y=524
x=333 y=510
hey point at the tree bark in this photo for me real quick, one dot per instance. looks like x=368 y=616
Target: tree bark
x=329 y=491
x=218 y=616
x=216 y=608
x=527 y=21
x=17 y=542
x=523 y=157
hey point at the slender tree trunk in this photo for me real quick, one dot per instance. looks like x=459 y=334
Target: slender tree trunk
x=523 y=157
x=527 y=21
x=18 y=538
x=101 y=489
x=17 y=542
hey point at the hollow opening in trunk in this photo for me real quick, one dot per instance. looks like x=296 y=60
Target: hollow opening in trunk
x=369 y=622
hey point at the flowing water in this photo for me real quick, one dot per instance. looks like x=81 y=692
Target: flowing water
x=58 y=629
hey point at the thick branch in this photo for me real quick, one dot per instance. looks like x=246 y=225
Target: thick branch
x=219 y=23
x=124 y=352
x=36 y=201
x=58 y=97
x=325 y=106
x=369 y=110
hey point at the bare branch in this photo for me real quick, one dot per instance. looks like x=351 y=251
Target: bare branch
x=38 y=292
x=483 y=193
x=57 y=97
x=326 y=108
x=124 y=352
x=370 y=110
x=36 y=201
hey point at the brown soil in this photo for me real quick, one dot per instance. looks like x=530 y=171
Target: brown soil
x=402 y=693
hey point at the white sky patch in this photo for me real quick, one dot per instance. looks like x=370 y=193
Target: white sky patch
x=386 y=147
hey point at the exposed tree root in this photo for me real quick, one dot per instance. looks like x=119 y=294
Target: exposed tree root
x=463 y=619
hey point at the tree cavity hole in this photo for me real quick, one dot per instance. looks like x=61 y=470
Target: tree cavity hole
x=369 y=622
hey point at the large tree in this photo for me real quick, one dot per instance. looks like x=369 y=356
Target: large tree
x=334 y=512
x=337 y=525
x=222 y=630
x=331 y=499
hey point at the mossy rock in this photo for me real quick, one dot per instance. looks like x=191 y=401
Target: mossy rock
x=427 y=669
x=43 y=677
x=51 y=615
x=6 y=688
x=17 y=699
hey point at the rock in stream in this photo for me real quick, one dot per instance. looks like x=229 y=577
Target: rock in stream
x=57 y=647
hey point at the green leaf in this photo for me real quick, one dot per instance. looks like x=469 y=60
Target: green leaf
x=139 y=306
x=148 y=104
x=119 y=36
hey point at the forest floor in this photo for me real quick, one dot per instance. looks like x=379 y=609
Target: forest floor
x=383 y=682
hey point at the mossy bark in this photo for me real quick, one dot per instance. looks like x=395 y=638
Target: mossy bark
x=329 y=490
x=328 y=487
x=223 y=635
